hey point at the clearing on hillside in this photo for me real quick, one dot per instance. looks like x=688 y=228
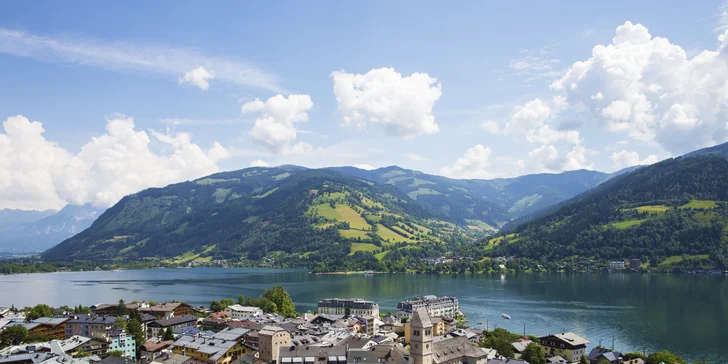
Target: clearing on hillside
x=363 y=247
x=700 y=205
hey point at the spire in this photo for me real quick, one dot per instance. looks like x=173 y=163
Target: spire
x=420 y=318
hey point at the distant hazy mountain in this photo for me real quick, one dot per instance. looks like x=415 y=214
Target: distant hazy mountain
x=475 y=202
x=36 y=231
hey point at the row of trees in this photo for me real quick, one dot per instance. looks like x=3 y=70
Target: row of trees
x=273 y=300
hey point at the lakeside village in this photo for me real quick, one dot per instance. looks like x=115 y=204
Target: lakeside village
x=267 y=330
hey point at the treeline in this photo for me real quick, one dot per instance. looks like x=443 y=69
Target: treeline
x=273 y=300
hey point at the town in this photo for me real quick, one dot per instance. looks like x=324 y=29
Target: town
x=266 y=330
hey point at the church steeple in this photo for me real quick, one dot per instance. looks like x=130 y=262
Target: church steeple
x=421 y=337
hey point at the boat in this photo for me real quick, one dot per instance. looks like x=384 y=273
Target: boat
x=505 y=316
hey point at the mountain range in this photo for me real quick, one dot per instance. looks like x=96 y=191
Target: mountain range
x=26 y=231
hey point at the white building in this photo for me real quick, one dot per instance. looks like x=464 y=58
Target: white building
x=616 y=264
x=244 y=312
x=348 y=306
x=436 y=306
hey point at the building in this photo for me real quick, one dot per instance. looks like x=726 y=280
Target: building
x=312 y=355
x=616 y=264
x=213 y=350
x=600 y=355
x=348 y=306
x=157 y=327
x=51 y=327
x=568 y=345
x=168 y=310
x=89 y=325
x=119 y=340
x=270 y=340
x=455 y=350
x=381 y=354
x=243 y=312
x=436 y=306
x=153 y=349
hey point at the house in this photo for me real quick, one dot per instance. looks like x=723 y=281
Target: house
x=270 y=339
x=312 y=355
x=568 y=345
x=506 y=361
x=616 y=264
x=436 y=306
x=519 y=346
x=153 y=349
x=88 y=325
x=51 y=327
x=382 y=354
x=348 y=306
x=119 y=340
x=213 y=350
x=245 y=312
x=597 y=354
x=220 y=315
x=157 y=327
x=168 y=310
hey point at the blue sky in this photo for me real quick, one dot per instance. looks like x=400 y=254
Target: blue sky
x=465 y=89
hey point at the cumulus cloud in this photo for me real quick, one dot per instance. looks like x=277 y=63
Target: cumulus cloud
x=624 y=159
x=258 y=163
x=414 y=157
x=155 y=59
x=475 y=163
x=648 y=88
x=274 y=128
x=365 y=166
x=402 y=105
x=491 y=127
x=547 y=158
x=107 y=168
x=530 y=120
x=197 y=77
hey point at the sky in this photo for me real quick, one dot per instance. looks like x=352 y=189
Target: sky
x=105 y=99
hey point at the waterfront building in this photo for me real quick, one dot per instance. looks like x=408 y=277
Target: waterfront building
x=348 y=306
x=436 y=306
x=568 y=345
x=167 y=309
x=239 y=311
x=616 y=264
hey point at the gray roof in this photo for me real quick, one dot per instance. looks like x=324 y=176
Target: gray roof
x=507 y=361
x=451 y=349
x=270 y=330
x=176 y=320
x=520 y=346
x=390 y=353
x=216 y=348
x=572 y=338
x=319 y=353
x=92 y=319
x=421 y=318
x=231 y=334
x=355 y=342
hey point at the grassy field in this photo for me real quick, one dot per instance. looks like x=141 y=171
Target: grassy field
x=479 y=225
x=380 y=255
x=700 y=205
x=343 y=213
x=627 y=224
x=251 y=219
x=281 y=176
x=424 y=229
x=190 y=256
x=209 y=181
x=267 y=193
x=422 y=191
x=353 y=234
x=678 y=258
x=221 y=194
x=403 y=231
x=363 y=247
x=374 y=217
x=389 y=235
x=654 y=209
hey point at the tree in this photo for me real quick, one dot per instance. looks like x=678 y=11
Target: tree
x=283 y=301
x=134 y=327
x=534 y=354
x=121 y=310
x=14 y=335
x=168 y=334
x=266 y=305
x=81 y=354
x=665 y=357
x=117 y=353
x=152 y=303
x=120 y=323
x=215 y=306
x=241 y=299
x=226 y=302
x=41 y=310
x=634 y=355
x=603 y=360
x=583 y=359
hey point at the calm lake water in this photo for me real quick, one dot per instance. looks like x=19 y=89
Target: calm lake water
x=684 y=314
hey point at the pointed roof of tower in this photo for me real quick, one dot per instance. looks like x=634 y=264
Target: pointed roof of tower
x=421 y=318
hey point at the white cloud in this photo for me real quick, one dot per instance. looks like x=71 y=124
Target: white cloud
x=547 y=158
x=546 y=135
x=197 y=77
x=107 y=168
x=491 y=127
x=402 y=105
x=533 y=65
x=530 y=120
x=652 y=90
x=626 y=159
x=530 y=115
x=258 y=163
x=172 y=61
x=475 y=163
x=275 y=127
x=414 y=157
x=365 y=166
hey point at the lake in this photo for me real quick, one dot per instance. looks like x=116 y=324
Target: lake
x=682 y=313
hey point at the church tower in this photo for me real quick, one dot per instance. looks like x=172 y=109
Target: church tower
x=421 y=337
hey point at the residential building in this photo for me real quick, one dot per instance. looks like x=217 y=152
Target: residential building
x=153 y=349
x=270 y=340
x=600 y=355
x=243 y=312
x=157 y=327
x=213 y=350
x=348 y=306
x=168 y=310
x=616 y=264
x=312 y=355
x=436 y=306
x=89 y=325
x=380 y=354
x=119 y=340
x=52 y=327
x=506 y=361
x=568 y=345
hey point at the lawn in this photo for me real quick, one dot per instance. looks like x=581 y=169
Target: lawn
x=678 y=258
x=221 y=194
x=422 y=191
x=654 y=209
x=389 y=235
x=209 y=181
x=381 y=255
x=699 y=204
x=343 y=213
x=627 y=224
x=403 y=231
x=363 y=247
x=353 y=234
